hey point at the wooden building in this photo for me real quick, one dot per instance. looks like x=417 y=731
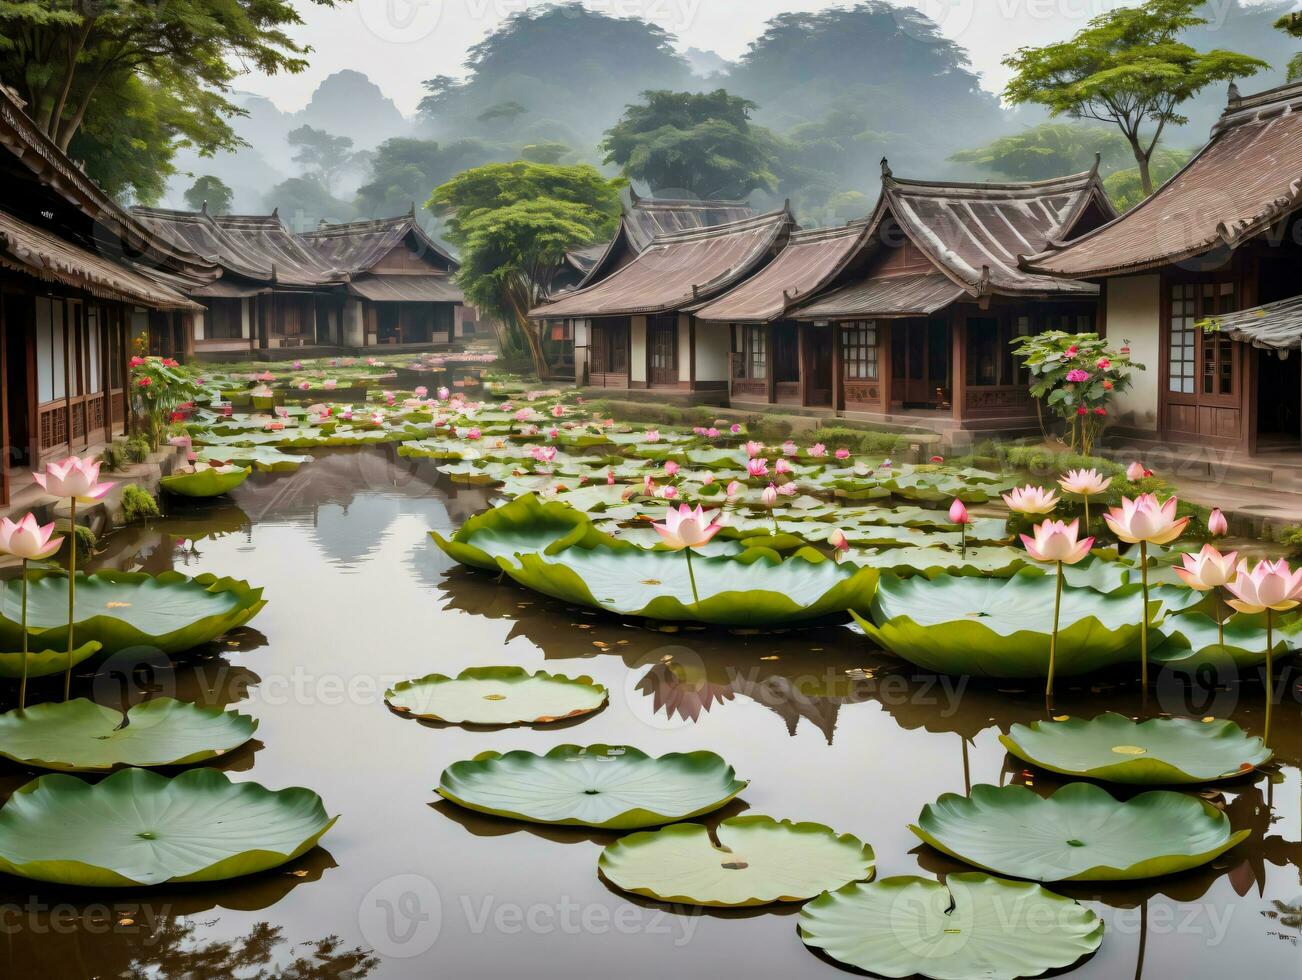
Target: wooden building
x=79 y=277
x=347 y=286
x=643 y=219
x=635 y=328
x=1202 y=278
x=906 y=318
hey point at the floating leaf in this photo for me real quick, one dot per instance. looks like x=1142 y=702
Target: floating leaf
x=1080 y=833
x=1193 y=640
x=137 y=827
x=972 y=927
x=1117 y=749
x=206 y=481
x=608 y=786
x=167 y=612
x=757 y=860
x=43 y=663
x=497 y=696
x=83 y=736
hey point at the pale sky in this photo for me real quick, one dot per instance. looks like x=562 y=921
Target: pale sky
x=397 y=43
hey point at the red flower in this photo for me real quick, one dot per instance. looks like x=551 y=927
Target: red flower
x=1103 y=364
x=1072 y=351
x=1107 y=385
x=938 y=459
x=145 y=382
x=1082 y=411
x=1125 y=350
x=136 y=361
x=1100 y=411
x=178 y=417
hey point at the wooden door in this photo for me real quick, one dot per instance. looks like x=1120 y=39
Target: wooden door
x=920 y=362
x=662 y=351
x=818 y=359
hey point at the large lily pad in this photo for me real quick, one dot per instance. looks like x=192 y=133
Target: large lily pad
x=1080 y=833
x=167 y=612
x=757 y=861
x=497 y=696
x=524 y=524
x=613 y=787
x=1158 y=751
x=972 y=927
x=1192 y=640
x=206 y=481
x=990 y=627
x=43 y=663
x=136 y=827
x=82 y=736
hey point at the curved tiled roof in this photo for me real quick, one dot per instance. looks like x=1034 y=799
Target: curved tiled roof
x=1247 y=176
x=911 y=295
x=810 y=260
x=679 y=270
x=355 y=246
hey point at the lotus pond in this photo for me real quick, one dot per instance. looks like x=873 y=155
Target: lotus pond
x=481 y=659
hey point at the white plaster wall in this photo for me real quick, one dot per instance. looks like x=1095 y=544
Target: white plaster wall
x=582 y=338
x=713 y=342
x=1134 y=315
x=684 y=346
x=637 y=350
x=199 y=325
x=354 y=328
x=246 y=318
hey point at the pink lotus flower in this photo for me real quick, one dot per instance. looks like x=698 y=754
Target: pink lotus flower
x=442 y=394
x=769 y=496
x=558 y=410
x=1146 y=520
x=707 y=480
x=1136 y=472
x=687 y=528
x=667 y=492
x=524 y=415
x=1270 y=585
x=782 y=467
x=735 y=429
x=543 y=454
x=757 y=467
x=842 y=453
x=653 y=435
x=388 y=398
x=610 y=478
x=1031 y=499
x=753 y=448
x=818 y=450
x=789 y=448
x=473 y=434
x=839 y=542
x=1076 y=376
x=733 y=489
x=1055 y=541
x=1084 y=483
x=553 y=433
x=671 y=468
x=648 y=485
x=298 y=365
x=1209 y=569
x=788 y=489
x=73 y=477
x=28 y=540
x=281 y=412
x=1216 y=523
x=712 y=432
x=421 y=391
x=958 y=513
x=304 y=385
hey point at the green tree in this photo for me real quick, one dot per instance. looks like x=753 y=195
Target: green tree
x=1291 y=24
x=702 y=143
x=404 y=170
x=1125 y=187
x=66 y=57
x=323 y=154
x=504 y=112
x=304 y=202
x=211 y=192
x=1048 y=150
x=1129 y=68
x=513 y=224
x=545 y=151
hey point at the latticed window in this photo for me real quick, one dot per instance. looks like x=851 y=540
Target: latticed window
x=859 y=350
x=1218 y=350
x=755 y=339
x=1183 y=338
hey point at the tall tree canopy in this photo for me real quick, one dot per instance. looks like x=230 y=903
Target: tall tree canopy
x=1291 y=24
x=1049 y=150
x=513 y=224
x=70 y=58
x=322 y=154
x=403 y=171
x=209 y=191
x=699 y=145
x=1127 y=67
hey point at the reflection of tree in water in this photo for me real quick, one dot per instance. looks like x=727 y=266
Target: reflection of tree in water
x=1289 y=916
x=175 y=953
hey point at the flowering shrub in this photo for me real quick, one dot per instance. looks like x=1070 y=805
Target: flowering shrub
x=160 y=390
x=1076 y=376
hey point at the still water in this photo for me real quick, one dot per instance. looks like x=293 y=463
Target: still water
x=406 y=886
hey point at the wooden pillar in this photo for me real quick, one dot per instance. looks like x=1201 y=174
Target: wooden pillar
x=1100 y=312
x=5 y=446
x=803 y=361
x=838 y=369
x=66 y=306
x=771 y=374
x=958 y=370
x=691 y=354
x=885 y=364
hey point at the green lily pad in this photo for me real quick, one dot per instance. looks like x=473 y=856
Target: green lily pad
x=1080 y=833
x=266 y=459
x=167 y=612
x=1117 y=749
x=991 y=627
x=137 y=827
x=82 y=736
x=972 y=927
x=1193 y=640
x=614 y=787
x=206 y=481
x=497 y=696
x=757 y=861
x=524 y=524
x=43 y=663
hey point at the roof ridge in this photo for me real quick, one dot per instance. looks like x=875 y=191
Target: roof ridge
x=719 y=231
x=1083 y=177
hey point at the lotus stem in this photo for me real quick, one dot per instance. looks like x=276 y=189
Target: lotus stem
x=1220 y=618
x=962 y=539
x=691 y=577
x=1053 y=637
x=1270 y=673
x=1143 y=633
x=22 y=685
x=72 y=594
x=1086 y=498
